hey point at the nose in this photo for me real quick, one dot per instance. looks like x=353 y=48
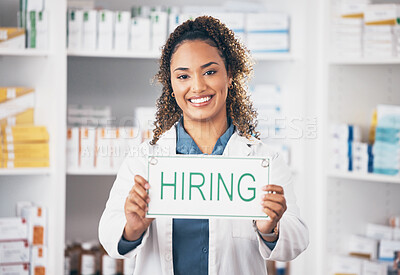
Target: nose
x=198 y=84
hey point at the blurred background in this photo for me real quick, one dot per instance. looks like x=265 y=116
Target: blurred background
x=77 y=95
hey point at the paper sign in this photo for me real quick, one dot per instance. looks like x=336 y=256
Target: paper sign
x=207 y=186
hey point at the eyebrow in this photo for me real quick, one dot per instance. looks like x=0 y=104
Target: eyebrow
x=202 y=66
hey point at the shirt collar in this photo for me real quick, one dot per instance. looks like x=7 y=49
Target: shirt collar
x=186 y=145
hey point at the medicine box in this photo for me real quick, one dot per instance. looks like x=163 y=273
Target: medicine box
x=14 y=252
x=20 y=269
x=379 y=232
x=140 y=34
x=89 y=41
x=105 y=30
x=75 y=29
x=13 y=229
x=12 y=38
x=363 y=247
x=121 y=35
x=36 y=218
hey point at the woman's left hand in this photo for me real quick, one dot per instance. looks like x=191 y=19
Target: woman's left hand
x=274 y=205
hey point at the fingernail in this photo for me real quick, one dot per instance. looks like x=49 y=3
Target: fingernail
x=147 y=186
x=148 y=200
x=264 y=188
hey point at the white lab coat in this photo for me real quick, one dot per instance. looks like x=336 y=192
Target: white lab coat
x=234 y=245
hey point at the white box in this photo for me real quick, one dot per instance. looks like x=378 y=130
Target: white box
x=38 y=262
x=396 y=234
x=105 y=30
x=359 y=149
x=14 y=228
x=34 y=5
x=42 y=29
x=104 y=141
x=121 y=34
x=36 y=218
x=374 y=268
x=362 y=246
x=345 y=132
x=352 y=9
x=346 y=265
x=17 y=105
x=381 y=13
x=12 y=38
x=20 y=269
x=89 y=40
x=379 y=232
x=269 y=21
x=15 y=252
x=73 y=148
x=87 y=147
x=173 y=22
x=387 y=249
x=140 y=34
x=75 y=29
x=159 y=29
x=268 y=42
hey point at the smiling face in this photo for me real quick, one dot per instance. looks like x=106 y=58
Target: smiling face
x=200 y=81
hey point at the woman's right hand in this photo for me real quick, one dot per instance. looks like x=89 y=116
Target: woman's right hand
x=135 y=210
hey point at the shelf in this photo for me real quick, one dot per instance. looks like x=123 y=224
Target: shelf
x=23 y=52
x=24 y=171
x=92 y=172
x=110 y=54
x=364 y=61
x=156 y=55
x=274 y=57
x=365 y=177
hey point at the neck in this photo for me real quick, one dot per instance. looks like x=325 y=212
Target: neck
x=206 y=133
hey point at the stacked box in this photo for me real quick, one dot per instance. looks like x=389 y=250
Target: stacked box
x=380 y=25
x=14 y=248
x=25 y=146
x=140 y=39
x=89 y=30
x=347 y=28
x=37 y=29
x=75 y=29
x=12 y=38
x=386 y=148
x=268 y=32
x=347 y=149
x=159 y=28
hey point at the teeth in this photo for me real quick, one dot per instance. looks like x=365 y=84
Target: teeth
x=201 y=100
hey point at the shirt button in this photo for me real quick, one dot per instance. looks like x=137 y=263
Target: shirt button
x=168 y=257
x=204 y=249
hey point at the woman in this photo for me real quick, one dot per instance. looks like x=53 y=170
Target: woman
x=203 y=109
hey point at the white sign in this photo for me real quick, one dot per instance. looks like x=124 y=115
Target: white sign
x=188 y=186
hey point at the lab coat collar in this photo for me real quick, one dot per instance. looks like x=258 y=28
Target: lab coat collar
x=237 y=145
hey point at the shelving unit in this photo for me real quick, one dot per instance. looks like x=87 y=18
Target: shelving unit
x=25 y=171
x=23 y=52
x=46 y=71
x=364 y=177
x=347 y=91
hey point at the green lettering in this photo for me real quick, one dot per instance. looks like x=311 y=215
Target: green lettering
x=167 y=184
x=211 y=178
x=230 y=195
x=196 y=186
x=183 y=185
x=252 y=189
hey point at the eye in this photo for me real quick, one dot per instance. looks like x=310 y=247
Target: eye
x=184 y=76
x=210 y=72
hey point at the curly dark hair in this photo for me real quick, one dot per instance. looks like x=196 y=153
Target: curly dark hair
x=238 y=64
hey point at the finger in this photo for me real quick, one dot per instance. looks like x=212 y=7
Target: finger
x=273 y=216
x=275 y=207
x=142 y=182
x=275 y=198
x=142 y=202
x=139 y=191
x=136 y=209
x=273 y=188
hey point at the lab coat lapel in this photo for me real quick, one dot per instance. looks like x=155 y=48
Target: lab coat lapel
x=238 y=146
